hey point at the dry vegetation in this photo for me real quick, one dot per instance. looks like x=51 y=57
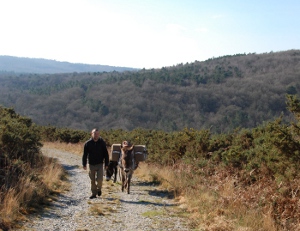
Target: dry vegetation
x=214 y=203
x=30 y=195
x=67 y=147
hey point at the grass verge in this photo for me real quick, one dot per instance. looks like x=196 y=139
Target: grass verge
x=35 y=188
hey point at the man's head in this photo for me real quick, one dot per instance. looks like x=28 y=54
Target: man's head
x=95 y=134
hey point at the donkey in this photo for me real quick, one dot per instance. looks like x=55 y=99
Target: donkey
x=126 y=165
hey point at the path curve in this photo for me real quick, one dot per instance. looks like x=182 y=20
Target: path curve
x=147 y=207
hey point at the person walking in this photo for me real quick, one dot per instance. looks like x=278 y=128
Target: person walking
x=95 y=152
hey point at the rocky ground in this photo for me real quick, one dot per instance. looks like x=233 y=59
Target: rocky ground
x=147 y=207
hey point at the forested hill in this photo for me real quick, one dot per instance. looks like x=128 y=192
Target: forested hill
x=243 y=90
x=46 y=66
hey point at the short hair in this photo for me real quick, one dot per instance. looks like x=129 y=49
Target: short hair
x=94 y=130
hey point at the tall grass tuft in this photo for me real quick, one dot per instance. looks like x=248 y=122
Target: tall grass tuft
x=29 y=192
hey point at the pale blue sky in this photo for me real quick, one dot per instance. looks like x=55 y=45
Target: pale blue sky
x=146 y=33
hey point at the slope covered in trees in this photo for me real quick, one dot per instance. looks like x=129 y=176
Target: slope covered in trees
x=220 y=94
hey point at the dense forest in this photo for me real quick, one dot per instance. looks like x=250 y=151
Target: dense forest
x=220 y=94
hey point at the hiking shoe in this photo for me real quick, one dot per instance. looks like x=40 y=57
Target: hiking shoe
x=93 y=196
x=99 y=193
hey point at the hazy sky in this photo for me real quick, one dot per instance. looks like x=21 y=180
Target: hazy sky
x=146 y=33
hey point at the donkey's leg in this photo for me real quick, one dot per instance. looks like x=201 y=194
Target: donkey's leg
x=128 y=182
x=123 y=181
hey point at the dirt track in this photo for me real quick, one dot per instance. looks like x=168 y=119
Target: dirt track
x=147 y=207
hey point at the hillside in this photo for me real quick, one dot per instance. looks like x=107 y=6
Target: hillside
x=220 y=93
x=45 y=66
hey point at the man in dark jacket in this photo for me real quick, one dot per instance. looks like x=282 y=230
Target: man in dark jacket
x=96 y=153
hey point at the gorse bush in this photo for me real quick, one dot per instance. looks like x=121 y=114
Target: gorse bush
x=22 y=167
x=19 y=141
x=51 y=133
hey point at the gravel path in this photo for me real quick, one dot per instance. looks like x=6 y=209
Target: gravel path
x=147 y=207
